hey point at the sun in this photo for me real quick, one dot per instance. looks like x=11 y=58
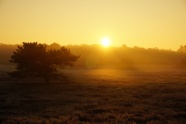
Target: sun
x=105 y=42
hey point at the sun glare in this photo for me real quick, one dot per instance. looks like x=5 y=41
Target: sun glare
x=105 y=42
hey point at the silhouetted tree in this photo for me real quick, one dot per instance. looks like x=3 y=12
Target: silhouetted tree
x=33 y=60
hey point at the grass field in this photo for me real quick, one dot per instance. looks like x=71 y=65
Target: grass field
x=113 y=96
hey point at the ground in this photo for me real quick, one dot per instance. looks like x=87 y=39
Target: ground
x=102 y=95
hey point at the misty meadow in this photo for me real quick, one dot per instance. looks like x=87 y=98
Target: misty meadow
x=93 y=61
x=114 y=85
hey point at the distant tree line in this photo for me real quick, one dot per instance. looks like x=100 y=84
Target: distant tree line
x=126 y=56
x=95 y=55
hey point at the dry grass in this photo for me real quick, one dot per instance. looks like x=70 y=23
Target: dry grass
x=102 y=96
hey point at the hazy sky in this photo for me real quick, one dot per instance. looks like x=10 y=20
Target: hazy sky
x=145 y=23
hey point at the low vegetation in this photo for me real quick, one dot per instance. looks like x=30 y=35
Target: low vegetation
x=113 y=96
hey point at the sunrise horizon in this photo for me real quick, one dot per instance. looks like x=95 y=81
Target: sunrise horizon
x=99 y=43
x=143 y=23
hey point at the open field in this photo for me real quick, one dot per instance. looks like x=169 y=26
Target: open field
x=114 y=96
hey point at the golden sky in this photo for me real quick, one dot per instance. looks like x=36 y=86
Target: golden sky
x=144 y=23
